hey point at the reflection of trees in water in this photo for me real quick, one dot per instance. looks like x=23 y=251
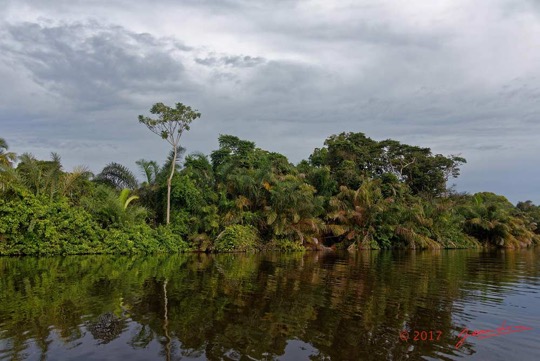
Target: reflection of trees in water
x=107 y=327
x=345 y=307
x=143 y=336
x=167 y=346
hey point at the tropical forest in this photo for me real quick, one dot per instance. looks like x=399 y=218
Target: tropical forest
x=352 y=193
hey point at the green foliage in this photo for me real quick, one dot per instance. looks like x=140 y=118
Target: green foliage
x=194 y=215
x=141 y=238
x=111 y=209
x=446 y=227
x=33 y=225
x=237 y=238
x=531 y=213
x=117 y=176
x=353 y=157
x=233 y=150
x=186 y=195
x=6 y=158
x=354 y=193
x=125 y=199
x=292 y=210
x=170 y=124
x=150 y=170
x=494 y=221
x=383 y=214
x=320 y=178
x=353 y=213
x=48 y=178
x=285 y=245
x=10 y=182
x=170 y=241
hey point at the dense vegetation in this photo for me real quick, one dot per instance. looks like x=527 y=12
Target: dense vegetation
x=354 y=192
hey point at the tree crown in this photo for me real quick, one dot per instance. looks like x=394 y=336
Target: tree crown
x=171 y=122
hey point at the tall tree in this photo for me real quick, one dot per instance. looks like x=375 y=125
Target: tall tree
x=353 y=157
x=170 y=124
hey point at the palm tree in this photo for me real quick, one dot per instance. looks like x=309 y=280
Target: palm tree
x=117 y=176
x=72 y=183
x=353 y=213
x=150 y=170
x=113 y=209
x=8 y=178
x=47 y=177
x=413 y=226
x=490 y=219
x=36 y=175
x=291 y=210
x=6 y=158
x=125 y=199
x=53 y=174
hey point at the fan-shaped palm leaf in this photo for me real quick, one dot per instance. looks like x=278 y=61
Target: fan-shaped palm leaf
x=117 y=176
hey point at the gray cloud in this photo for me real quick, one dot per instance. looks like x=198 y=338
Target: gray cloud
x=233 y=61
x=98 y=66
x=457 y=76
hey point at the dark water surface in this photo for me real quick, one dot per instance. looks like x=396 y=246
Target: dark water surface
x=313 y=306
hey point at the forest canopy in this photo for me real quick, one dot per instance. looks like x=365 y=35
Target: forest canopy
x=354 y=192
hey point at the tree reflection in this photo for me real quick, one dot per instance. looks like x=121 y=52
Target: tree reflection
x=107 y=327
x=229 y=306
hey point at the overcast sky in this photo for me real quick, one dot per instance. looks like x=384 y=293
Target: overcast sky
x=459 y=76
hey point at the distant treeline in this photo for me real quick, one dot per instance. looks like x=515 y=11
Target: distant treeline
x=352 y=193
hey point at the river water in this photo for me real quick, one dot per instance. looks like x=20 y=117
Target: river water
x=378 y=305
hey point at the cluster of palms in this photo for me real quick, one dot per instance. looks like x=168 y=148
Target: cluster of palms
x=46 y=178
x=354 y=192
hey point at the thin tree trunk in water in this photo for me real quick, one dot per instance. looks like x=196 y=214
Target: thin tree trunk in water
x=169 y=182
x=166 y=323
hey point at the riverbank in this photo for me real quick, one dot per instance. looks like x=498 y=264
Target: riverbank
x=35 y=225
x=64 y=230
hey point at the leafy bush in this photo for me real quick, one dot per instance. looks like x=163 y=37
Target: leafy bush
x=142 y=239
x=111 y=209
x=170 y=241
x=237 y=238
x=133 y=239
x=285 y=245
x=35 y=226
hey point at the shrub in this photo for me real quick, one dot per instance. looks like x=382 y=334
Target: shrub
x=141 y=238
x=170 y=241
x=35 y=226
x=237 y=238
x=285 y=245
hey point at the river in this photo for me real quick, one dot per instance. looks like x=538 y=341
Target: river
x=372 y=305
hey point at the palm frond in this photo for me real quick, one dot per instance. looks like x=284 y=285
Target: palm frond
x=117 y=176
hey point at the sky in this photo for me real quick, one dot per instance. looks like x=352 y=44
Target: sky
x=458 y=76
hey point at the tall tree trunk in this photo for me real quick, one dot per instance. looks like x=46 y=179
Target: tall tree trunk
x=169 y=182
